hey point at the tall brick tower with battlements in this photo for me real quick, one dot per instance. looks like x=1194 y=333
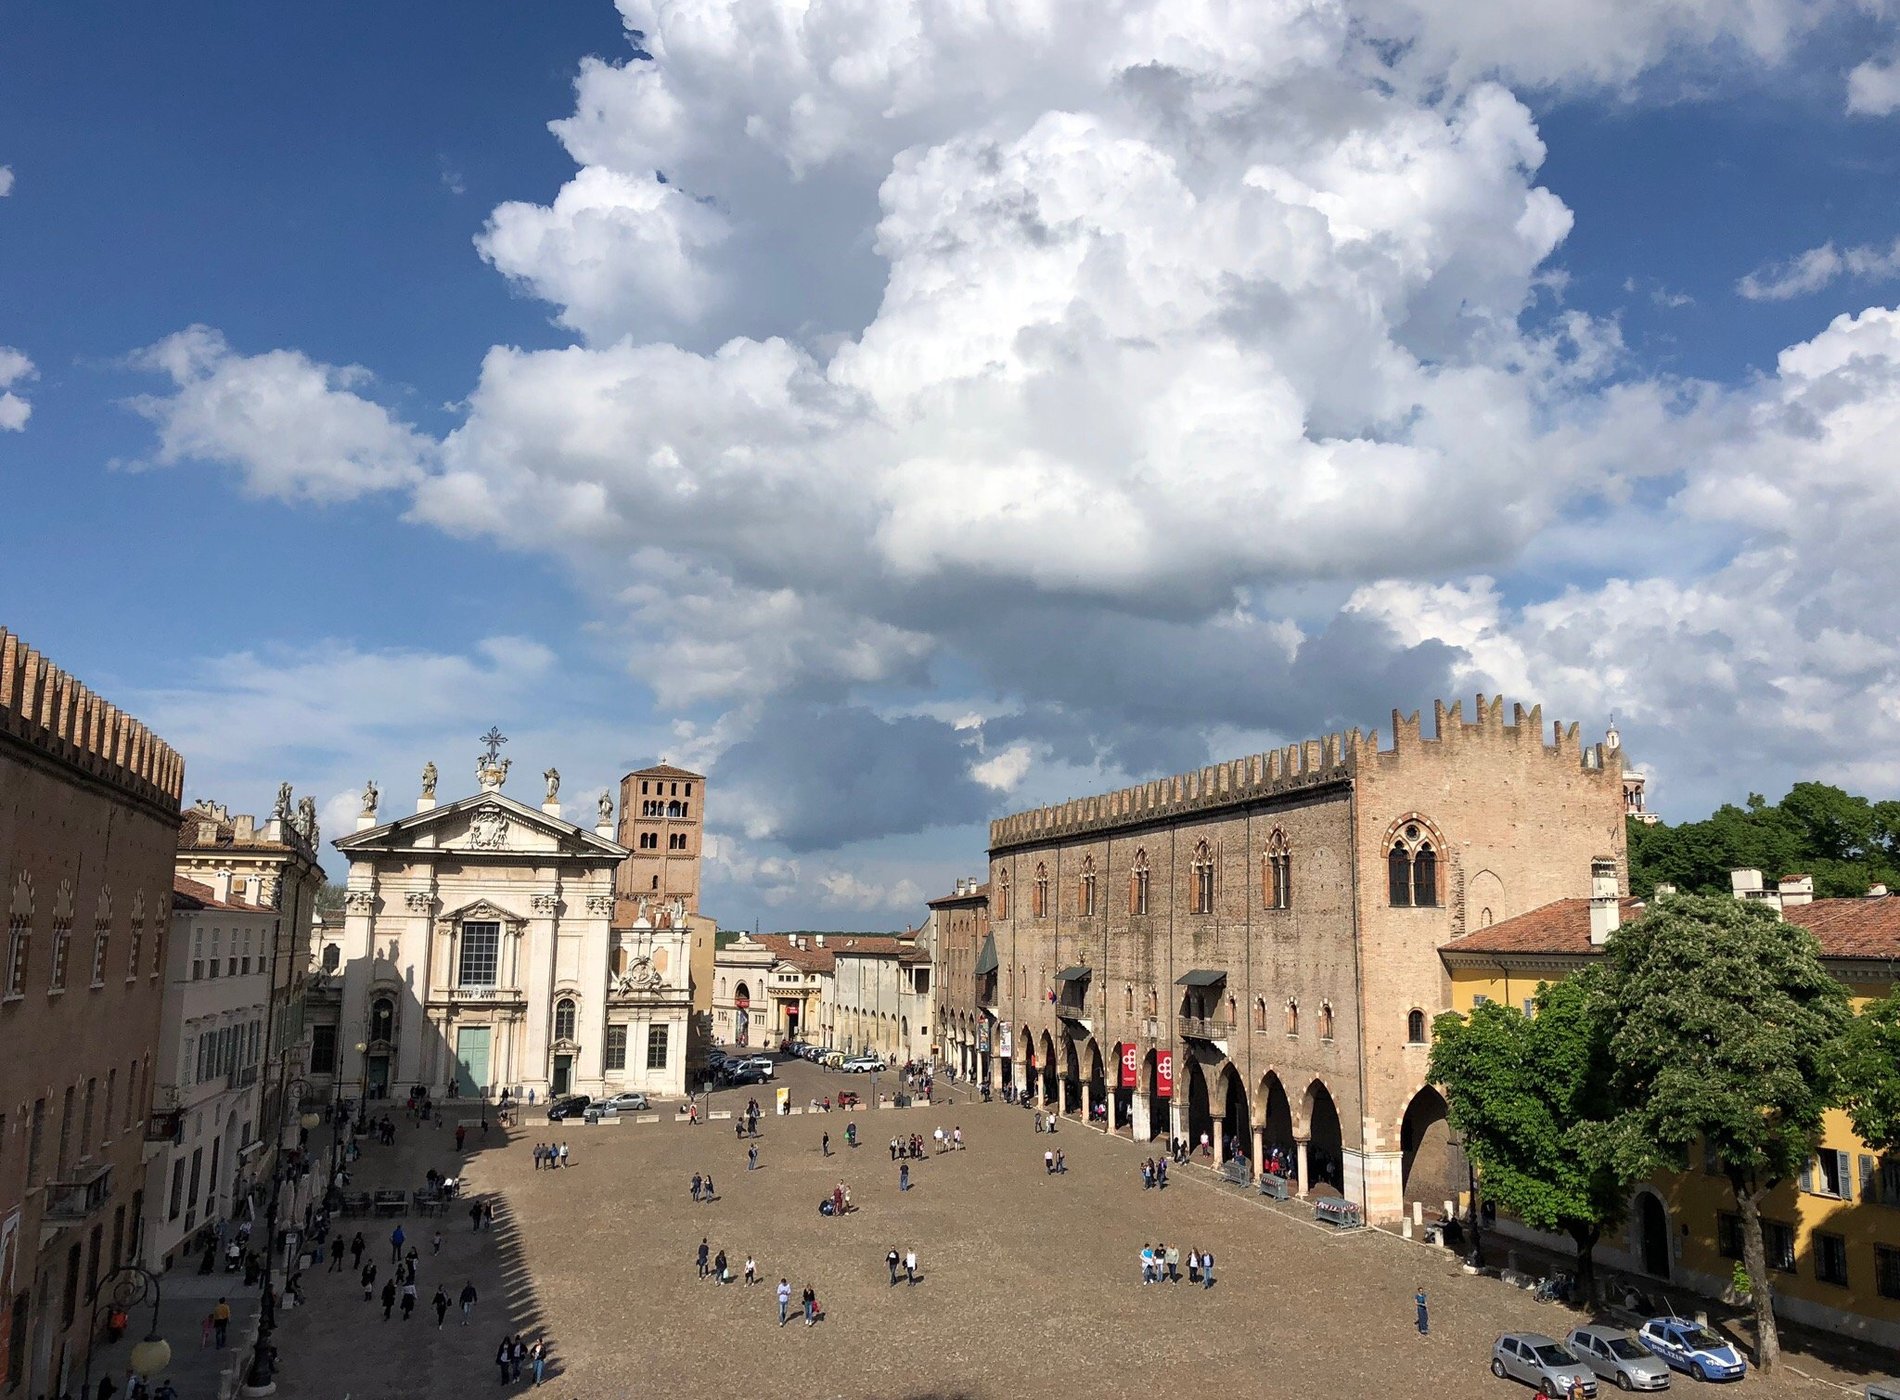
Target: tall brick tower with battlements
x=662 y=819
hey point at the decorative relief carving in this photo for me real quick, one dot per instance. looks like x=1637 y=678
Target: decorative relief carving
x=358 y=902
x=545 y=903
x=602 y=904
x=489 y=830
x=419 y=901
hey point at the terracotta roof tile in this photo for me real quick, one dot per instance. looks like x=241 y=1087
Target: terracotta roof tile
x=1845 y=928
x=189 y=894
x=665 y=770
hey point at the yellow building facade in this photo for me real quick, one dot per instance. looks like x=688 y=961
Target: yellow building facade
x=1833 y=1236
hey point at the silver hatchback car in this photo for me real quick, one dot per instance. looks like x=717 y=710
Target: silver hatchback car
x=1541 y=1362
x=1616 y=1356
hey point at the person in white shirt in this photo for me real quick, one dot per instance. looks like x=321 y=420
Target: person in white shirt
x=910 y=1265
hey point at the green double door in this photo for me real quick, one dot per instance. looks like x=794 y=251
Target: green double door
x=471 y=1060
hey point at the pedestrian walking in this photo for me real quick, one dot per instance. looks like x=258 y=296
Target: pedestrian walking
x=910 y=1265
x=537 y=1156
x=752 y=1158
x=695 y=1186
x=538 y=1359
x=435 y=1243
x=408 y=1299
x=564 y=1156
x=721 y=1271
x=221 y=1322
x=468 y=1301
x=357 y=1247
x=1174 y=1263
x=517 y=1357
x=890 y=1262
x=503 y=1355
x=809 y=1301
x=1048 y=1161
x=389 y=1299
x=1207 y=1268
x=957 y=1138
x=441 y=1305
x=705 y=1253
x=1424 y=1318
x=824 y=1146
x=461 y=1136
x=709 y=1188
x=336 y=1253
x=903 y=1177
x=1062 y=1163
x=1147 y=1265
x=1194 y=1266
x=784 y=1301
x=475 y=1215
x=751 y=1271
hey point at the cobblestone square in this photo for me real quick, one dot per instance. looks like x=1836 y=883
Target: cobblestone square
x=1029 y=1283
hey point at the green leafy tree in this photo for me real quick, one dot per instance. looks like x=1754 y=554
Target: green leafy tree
x=330 y=897
x=1870 y=1074
x=1727 y=1031
x=1845 y=842
x=1525 y=1093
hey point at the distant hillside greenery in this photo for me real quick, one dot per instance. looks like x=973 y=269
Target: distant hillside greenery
x=1845 y=842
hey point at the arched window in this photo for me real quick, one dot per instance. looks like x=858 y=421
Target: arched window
x=564 y=1019
x=1203 y=901
x=1002 y=894
x=1128 y=998
x=1138 y=884
x=1412 y=869
x=332 y=956
x=1292 y=1018
x=1276 y=873
x=1152 y=1003
x=1260 y=1013
x=1415 y=1027
x=1085 y=889
x=1233 y=1012
x=1039 y=894
x=382 y=1019
x=1325 y=1020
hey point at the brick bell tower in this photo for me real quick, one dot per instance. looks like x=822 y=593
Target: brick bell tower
x=662 y=820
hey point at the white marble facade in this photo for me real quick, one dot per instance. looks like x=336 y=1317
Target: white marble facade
x=478 y=955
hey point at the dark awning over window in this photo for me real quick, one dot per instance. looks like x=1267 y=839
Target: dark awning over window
x=1201 y=977
x=986 y=959
x=1073 y=974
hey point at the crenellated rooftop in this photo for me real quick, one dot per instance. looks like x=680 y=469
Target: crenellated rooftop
x=1308 y=766
x=46 y=709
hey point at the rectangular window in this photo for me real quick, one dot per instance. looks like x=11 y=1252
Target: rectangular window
x=100 y=942
x=112 y=1094
x=1831 y=1173
x=616 y=1048
x=36 y=1143
x=69 y=1299
x=323 y=1049
x=1530 y=1007
x=1778 y=1243
x=656 y=1047
x=66 y=1135
x=85 y=1123
x=197 y=955
x=1887 y=1271
x=481 y=954
x=1479 y=1000
x=16 y=1340
x=61 y=938
x=19 y=945
x=1830 y=1259
x=1728 y=1234
x=1889 y=1179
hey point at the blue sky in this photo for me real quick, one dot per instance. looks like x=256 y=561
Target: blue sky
x=1096 y=398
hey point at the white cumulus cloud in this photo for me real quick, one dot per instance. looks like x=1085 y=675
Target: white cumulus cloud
x=1818 y=267
x=1873 y=87
x=15 y=370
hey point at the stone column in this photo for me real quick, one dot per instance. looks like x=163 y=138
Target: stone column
x=1220 y=1144
x=1085 y=1103
x=1062 y=1094
x=1111 y=1111
x=1299 y=1149
x=1259 y=1150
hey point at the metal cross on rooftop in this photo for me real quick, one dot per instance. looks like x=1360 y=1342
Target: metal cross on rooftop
x=494 y=739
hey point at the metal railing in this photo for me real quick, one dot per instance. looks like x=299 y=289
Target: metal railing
x=1203 y=1028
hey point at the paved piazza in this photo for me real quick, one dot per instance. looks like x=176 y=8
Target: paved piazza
x=1030 y=1283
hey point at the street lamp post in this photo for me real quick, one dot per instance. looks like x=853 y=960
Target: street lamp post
x=263 y=1365
x=130 y=1283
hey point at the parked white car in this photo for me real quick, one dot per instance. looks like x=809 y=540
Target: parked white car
x=861 y=1064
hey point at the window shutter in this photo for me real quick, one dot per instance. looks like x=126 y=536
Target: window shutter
x=1807 y=1176
x=1846 y=1173
x=1868 y=1189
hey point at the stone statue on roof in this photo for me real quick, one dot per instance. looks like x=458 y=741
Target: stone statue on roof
x=371 y=796
x=307 y=819
x=282 y=811
x=606 y=809
x=553 y=779
x=428 y=779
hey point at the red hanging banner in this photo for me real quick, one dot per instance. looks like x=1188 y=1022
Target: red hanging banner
x=1164 y=1074
x=1130 y=1067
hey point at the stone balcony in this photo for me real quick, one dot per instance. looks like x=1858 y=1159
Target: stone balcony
x=1214 y=1032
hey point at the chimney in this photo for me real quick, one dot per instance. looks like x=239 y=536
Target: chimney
x=1746 y=884
x=818 y=939
x=1606 y=913
x=1876 y=891
x=207 y=833
x=221 y=886
x=244 y=828
x=1796 y=890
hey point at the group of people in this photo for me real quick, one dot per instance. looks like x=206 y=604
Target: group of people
x=550 y=1155
x=703 y=1187
x=1154 y=1174
x=1161 y=1263
x=718 y=1268
x=515 y=1354
x=1053 y=1162
x=908 y=1261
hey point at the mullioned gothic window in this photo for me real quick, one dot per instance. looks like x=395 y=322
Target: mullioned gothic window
x=1203 y=870
x=1002 y=894
x=1276 y=873
x=1039 y=893
x=1138 y=884
x=1412 y=869
x=1085 y=889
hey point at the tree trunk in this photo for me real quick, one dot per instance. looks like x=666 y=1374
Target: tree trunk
x=1755 y=1260
x=1586 y=1238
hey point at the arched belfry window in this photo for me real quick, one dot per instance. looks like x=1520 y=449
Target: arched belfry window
x=564 y=1019
x=1203 y=871
x=1412 y=868
x=1415 y=1027
x=1276 y=873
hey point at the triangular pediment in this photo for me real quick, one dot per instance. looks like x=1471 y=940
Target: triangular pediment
x=485 y=824
x=481 y=911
